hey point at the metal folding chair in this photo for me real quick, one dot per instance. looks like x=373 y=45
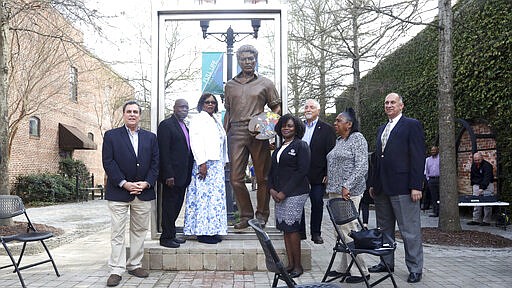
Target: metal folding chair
x=274 y=264
x=12 y=206
x=342 y=212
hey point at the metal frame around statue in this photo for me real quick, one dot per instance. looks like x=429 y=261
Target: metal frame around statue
x=195 y=14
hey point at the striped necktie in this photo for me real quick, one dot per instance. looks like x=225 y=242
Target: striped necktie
x=385 y=134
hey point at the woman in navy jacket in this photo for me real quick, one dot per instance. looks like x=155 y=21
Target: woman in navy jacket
x=289 y=186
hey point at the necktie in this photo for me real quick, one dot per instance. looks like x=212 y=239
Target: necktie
x=385 y=134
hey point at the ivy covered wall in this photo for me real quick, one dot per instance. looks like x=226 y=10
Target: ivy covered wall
x=482 y=77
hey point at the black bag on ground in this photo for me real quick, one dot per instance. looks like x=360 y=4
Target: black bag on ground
x=367 y=238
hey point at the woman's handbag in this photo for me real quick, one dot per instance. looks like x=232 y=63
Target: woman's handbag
x=367 y=238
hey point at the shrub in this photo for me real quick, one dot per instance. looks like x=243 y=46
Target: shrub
x=44 y=188
x=71 y=168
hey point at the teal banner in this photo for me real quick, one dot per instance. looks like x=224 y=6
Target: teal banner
x=212 y=73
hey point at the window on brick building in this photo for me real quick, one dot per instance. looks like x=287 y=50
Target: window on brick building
x=90 y=136
x=34 y=125
x=73 y=83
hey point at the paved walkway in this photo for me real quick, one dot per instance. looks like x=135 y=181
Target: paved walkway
x=82 y=259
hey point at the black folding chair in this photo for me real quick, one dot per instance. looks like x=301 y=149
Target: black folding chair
x=342 y=212
x=12 y=206
x=275 y=265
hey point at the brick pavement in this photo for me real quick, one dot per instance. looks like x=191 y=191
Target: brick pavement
x=82 y=260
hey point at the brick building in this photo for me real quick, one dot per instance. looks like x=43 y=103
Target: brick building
x=61 y=97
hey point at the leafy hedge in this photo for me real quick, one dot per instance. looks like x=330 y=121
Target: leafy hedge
x=72 y=168
x=51 y=188
x=45 y=188
x=482 y=77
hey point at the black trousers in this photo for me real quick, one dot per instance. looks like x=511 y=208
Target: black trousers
x=433 y=186
x=316 y=196
x=172 y=200
x=426 y=198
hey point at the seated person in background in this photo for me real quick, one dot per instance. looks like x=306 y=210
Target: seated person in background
x=482 y=182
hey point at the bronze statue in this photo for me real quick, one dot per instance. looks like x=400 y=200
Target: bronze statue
x=246 y=96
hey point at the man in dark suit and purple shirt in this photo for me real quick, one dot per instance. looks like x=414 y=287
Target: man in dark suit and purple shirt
x=397 y=183
x=320 y=137
x=130 y=160
x=175 y=170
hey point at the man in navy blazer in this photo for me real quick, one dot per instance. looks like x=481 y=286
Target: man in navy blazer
x=130 y=160
x=175 y=170
x=321 y=138
x=397 y=183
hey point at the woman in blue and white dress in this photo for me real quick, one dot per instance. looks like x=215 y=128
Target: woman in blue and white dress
x=205 y=209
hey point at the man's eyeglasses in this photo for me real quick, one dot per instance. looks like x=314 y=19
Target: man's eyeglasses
x=210 y=102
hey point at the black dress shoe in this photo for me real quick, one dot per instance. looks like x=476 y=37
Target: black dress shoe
x=169 y=243
x=380 y=268
x=295 y=274
x=414 y=277
x=357 y=279
x=473 y=223
x=317 y=239
x=179 y=240
x=207 y=239
x=485 y=224
x=334 y=273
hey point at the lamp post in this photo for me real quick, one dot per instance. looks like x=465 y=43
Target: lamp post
x=229 y=37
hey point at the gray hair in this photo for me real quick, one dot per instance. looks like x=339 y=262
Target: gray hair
x=317 y=105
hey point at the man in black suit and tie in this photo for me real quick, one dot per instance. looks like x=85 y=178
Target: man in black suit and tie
x=397 y=183
x=130 y=160
x=321 y=138
x=175 y=170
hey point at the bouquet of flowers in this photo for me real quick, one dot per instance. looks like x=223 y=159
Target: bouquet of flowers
x=264 y=124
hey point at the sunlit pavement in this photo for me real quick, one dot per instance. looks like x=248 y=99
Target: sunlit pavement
x=82 y=261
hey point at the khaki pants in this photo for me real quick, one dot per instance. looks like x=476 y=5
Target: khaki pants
x=477 y=210
x=139 y=214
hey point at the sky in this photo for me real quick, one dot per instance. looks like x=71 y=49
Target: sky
x=127 y=30
x=128 y=37
x=127 y=45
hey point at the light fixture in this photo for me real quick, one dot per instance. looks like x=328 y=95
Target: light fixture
x=256 y=23
x=204 y=27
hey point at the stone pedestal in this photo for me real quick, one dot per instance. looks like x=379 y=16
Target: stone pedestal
x=240 y=251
